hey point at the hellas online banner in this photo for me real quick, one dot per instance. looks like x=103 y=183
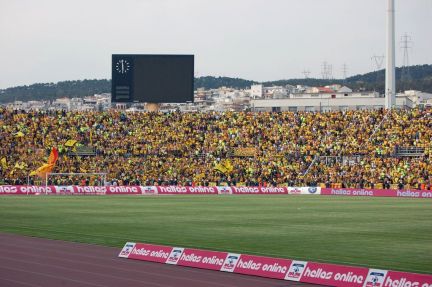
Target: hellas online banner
x=206 y=190
x=276 y=268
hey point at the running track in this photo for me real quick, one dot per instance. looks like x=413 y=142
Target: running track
x=36 y=262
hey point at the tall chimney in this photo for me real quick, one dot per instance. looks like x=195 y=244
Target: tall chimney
x=390 y=79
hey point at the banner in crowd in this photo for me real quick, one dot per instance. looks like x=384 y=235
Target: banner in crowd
x=377 y=192
x=276 y=268
x=225 y=166
x=149 y=190
x=304 y=190
x=206 y=190
x=258 y=190
x=68 y=190
x=224 y=190
x=98 y=190
x=27 y=189
x=187 y=190
x=245 y=151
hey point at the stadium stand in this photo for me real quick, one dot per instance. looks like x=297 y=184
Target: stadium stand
x=346 y=149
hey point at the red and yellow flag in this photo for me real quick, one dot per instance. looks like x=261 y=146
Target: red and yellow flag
x=43 y=170
x=53 y=156
x=48 y=167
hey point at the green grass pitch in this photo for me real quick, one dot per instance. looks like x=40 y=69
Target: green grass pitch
x=388 y=233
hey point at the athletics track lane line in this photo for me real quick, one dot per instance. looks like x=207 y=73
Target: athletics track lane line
x=30 y=244
x=140 y=270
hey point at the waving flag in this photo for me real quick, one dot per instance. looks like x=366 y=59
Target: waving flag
x=48 y=167
x=70 y=143
x=53 y=156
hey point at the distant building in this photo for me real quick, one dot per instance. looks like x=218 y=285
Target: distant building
x=329 y=98
x=30 y=105
x=257 y=98
x=275 y=92
x=256 y=91
x=419 y=99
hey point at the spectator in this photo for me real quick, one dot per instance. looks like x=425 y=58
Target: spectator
x=181 y=148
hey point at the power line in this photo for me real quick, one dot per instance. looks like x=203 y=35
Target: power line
x=406 y=45
x=378 y=60
x=326 y=71
x=344 y=71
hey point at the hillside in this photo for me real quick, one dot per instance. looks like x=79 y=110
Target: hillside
x=51 y=91
x=421 y=79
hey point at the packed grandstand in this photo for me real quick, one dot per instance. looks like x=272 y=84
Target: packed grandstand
x=342 y=149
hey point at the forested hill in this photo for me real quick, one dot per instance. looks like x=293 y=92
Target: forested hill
x=51 y=91
x=421 y=79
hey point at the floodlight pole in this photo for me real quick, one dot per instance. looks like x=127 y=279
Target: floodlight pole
x=390 y=81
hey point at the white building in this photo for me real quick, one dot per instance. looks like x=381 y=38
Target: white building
x=275 y=92
x=419 y=99
x=30 y=105
x=61 y=104
x=322 y=99
x=256 y=91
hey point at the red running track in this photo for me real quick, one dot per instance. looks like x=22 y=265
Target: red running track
x=37 y=262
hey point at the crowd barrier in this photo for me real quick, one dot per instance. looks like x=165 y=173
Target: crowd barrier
x=206 y=190
x=276 y=268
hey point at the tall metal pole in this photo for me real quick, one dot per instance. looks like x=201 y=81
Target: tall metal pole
x=390 y=83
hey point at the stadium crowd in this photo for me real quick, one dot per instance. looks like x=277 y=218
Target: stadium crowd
x=349 y=148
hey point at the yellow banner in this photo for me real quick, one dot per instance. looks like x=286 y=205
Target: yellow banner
x=20 y=165
x=228 y=165
x=245 y=151
x=224 y=167
x=220 y=167
x=4 y=163
x=70 y=143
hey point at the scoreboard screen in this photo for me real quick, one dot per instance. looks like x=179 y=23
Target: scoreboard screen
x=152 y=78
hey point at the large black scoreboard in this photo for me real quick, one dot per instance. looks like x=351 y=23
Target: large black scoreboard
x=152 y=78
